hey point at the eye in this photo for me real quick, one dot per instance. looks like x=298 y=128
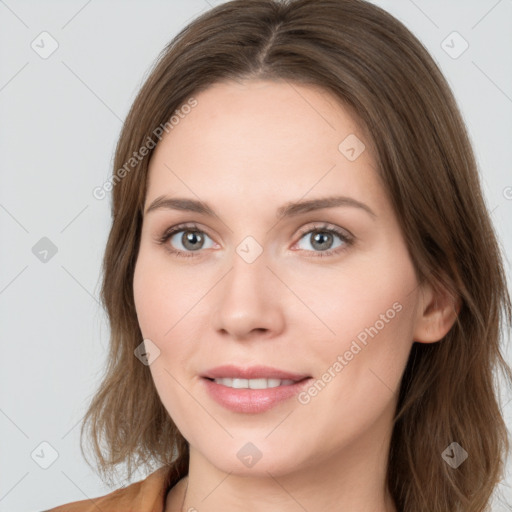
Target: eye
x=321 y=238
x=191 y=240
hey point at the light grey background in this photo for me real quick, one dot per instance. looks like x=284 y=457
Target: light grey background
x=59 y=121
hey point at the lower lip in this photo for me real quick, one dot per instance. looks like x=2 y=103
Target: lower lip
x=252 y=400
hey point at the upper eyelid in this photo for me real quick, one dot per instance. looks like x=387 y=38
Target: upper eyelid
x=325 y=225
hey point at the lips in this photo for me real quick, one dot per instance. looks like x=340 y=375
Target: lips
x=254 y=389
x=252 y=372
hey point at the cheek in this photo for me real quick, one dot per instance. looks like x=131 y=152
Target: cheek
x=359 y=374
x=156 y=296
x=373 y=318
x=166 y=313
x=369 y=309
x=145 y=297
x=368 y=296
x=159 y=308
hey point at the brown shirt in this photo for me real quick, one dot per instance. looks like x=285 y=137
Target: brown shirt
x=148 y=495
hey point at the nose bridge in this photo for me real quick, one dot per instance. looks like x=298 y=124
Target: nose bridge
x=249 y=275
x=247 y=300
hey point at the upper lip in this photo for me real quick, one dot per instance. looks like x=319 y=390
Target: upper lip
x=251 y=372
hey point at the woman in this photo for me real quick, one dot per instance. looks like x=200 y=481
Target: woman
x=304 y=286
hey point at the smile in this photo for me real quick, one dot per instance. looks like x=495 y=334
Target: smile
x=253 y=383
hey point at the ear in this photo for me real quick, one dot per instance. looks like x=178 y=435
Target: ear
x=437 y=311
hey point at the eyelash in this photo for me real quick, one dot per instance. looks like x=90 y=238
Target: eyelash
x=347 y=239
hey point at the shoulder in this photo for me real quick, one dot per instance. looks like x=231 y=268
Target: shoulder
x=147 y=495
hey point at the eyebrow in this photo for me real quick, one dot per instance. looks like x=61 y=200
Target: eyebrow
x=290 y=209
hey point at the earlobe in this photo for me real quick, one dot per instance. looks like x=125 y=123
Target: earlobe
x=437 y=313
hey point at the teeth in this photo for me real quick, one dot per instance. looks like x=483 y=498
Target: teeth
x=253 y=383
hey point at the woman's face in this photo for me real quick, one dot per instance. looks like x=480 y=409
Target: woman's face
x=325 y=293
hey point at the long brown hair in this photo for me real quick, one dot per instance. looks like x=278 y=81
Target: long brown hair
x=375 y=66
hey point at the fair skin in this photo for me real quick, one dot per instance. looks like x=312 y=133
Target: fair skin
x=247 y=149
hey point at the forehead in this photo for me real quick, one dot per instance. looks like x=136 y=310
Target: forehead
x=279 y=115
x=262 y=137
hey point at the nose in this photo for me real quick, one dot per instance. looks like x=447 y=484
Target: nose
x=248 y=301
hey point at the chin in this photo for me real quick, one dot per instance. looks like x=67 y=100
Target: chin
x=254 y=458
